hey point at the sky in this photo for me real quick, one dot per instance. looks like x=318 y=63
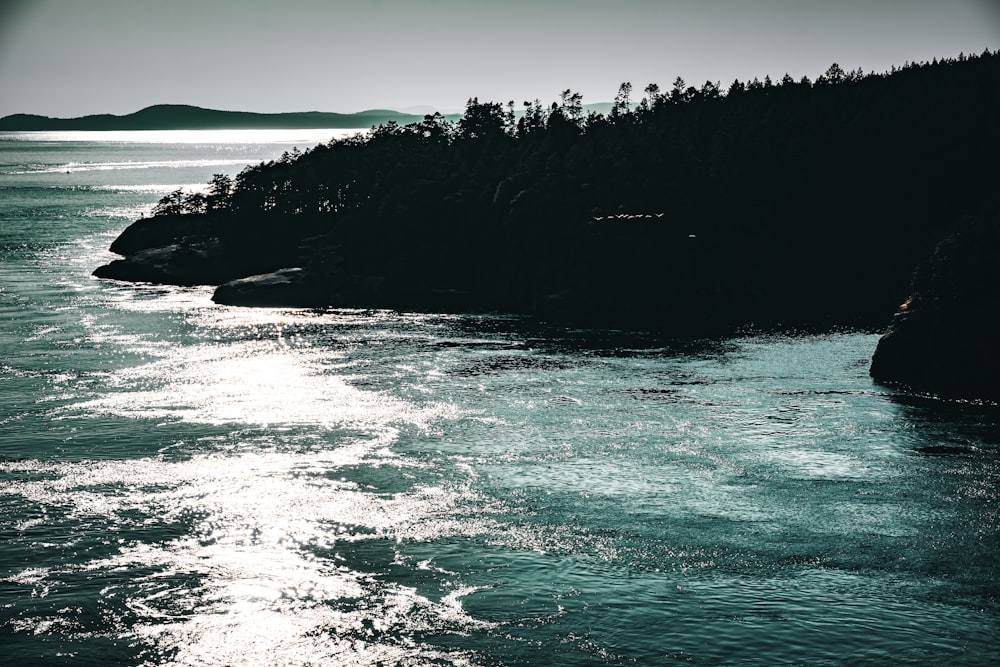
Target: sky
x=66 y=58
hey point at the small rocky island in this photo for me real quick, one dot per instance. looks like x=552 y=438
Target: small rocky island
x=792 y=205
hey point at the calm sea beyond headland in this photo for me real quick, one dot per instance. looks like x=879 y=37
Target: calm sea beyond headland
x=187 y=483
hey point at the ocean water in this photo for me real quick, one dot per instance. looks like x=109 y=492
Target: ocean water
x=188 y=484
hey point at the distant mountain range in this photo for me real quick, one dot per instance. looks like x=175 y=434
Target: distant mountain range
x=185 y=117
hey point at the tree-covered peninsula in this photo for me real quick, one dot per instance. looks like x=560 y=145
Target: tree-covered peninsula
x=792 y=203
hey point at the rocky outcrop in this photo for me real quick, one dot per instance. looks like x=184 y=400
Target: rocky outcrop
x=172 y=264
x=160 y=231
x=187 y=250
x=944 y=339
x=290 y=288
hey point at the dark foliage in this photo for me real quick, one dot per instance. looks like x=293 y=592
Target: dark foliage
x=794 y=203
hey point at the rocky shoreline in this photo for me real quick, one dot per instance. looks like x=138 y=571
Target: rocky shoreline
x=942 y=340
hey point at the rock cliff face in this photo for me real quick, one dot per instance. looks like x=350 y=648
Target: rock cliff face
x=945 y=339
x=172 y=264
x=186 y=250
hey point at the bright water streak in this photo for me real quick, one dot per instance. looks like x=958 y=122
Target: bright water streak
x=188 y=484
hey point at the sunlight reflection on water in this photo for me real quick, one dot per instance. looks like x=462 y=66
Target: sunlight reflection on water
x=263 y=383
x=250 y=374
x=260 y=561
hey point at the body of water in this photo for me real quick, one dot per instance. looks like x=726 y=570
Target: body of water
x=188 y=484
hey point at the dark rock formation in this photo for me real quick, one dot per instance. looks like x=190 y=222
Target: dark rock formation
x=290 y=288
x=172 y=264
x=189 y=250
x=159 y=231
x=944 y=339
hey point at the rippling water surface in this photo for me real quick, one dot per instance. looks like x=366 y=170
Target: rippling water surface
x=188 y=484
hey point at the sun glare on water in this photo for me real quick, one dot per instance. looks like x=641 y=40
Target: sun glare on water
x=252 y=373
x=259 y=575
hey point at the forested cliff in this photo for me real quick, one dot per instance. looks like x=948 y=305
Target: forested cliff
x=772 y=203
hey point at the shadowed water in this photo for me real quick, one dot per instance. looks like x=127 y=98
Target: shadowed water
x=188 y=484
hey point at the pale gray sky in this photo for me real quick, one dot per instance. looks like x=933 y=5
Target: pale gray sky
x=73 y=57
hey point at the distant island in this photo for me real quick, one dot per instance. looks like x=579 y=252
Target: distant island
x=185 y=117
x=789 y=204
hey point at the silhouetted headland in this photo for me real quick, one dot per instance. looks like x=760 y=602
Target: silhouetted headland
x=772 y=204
